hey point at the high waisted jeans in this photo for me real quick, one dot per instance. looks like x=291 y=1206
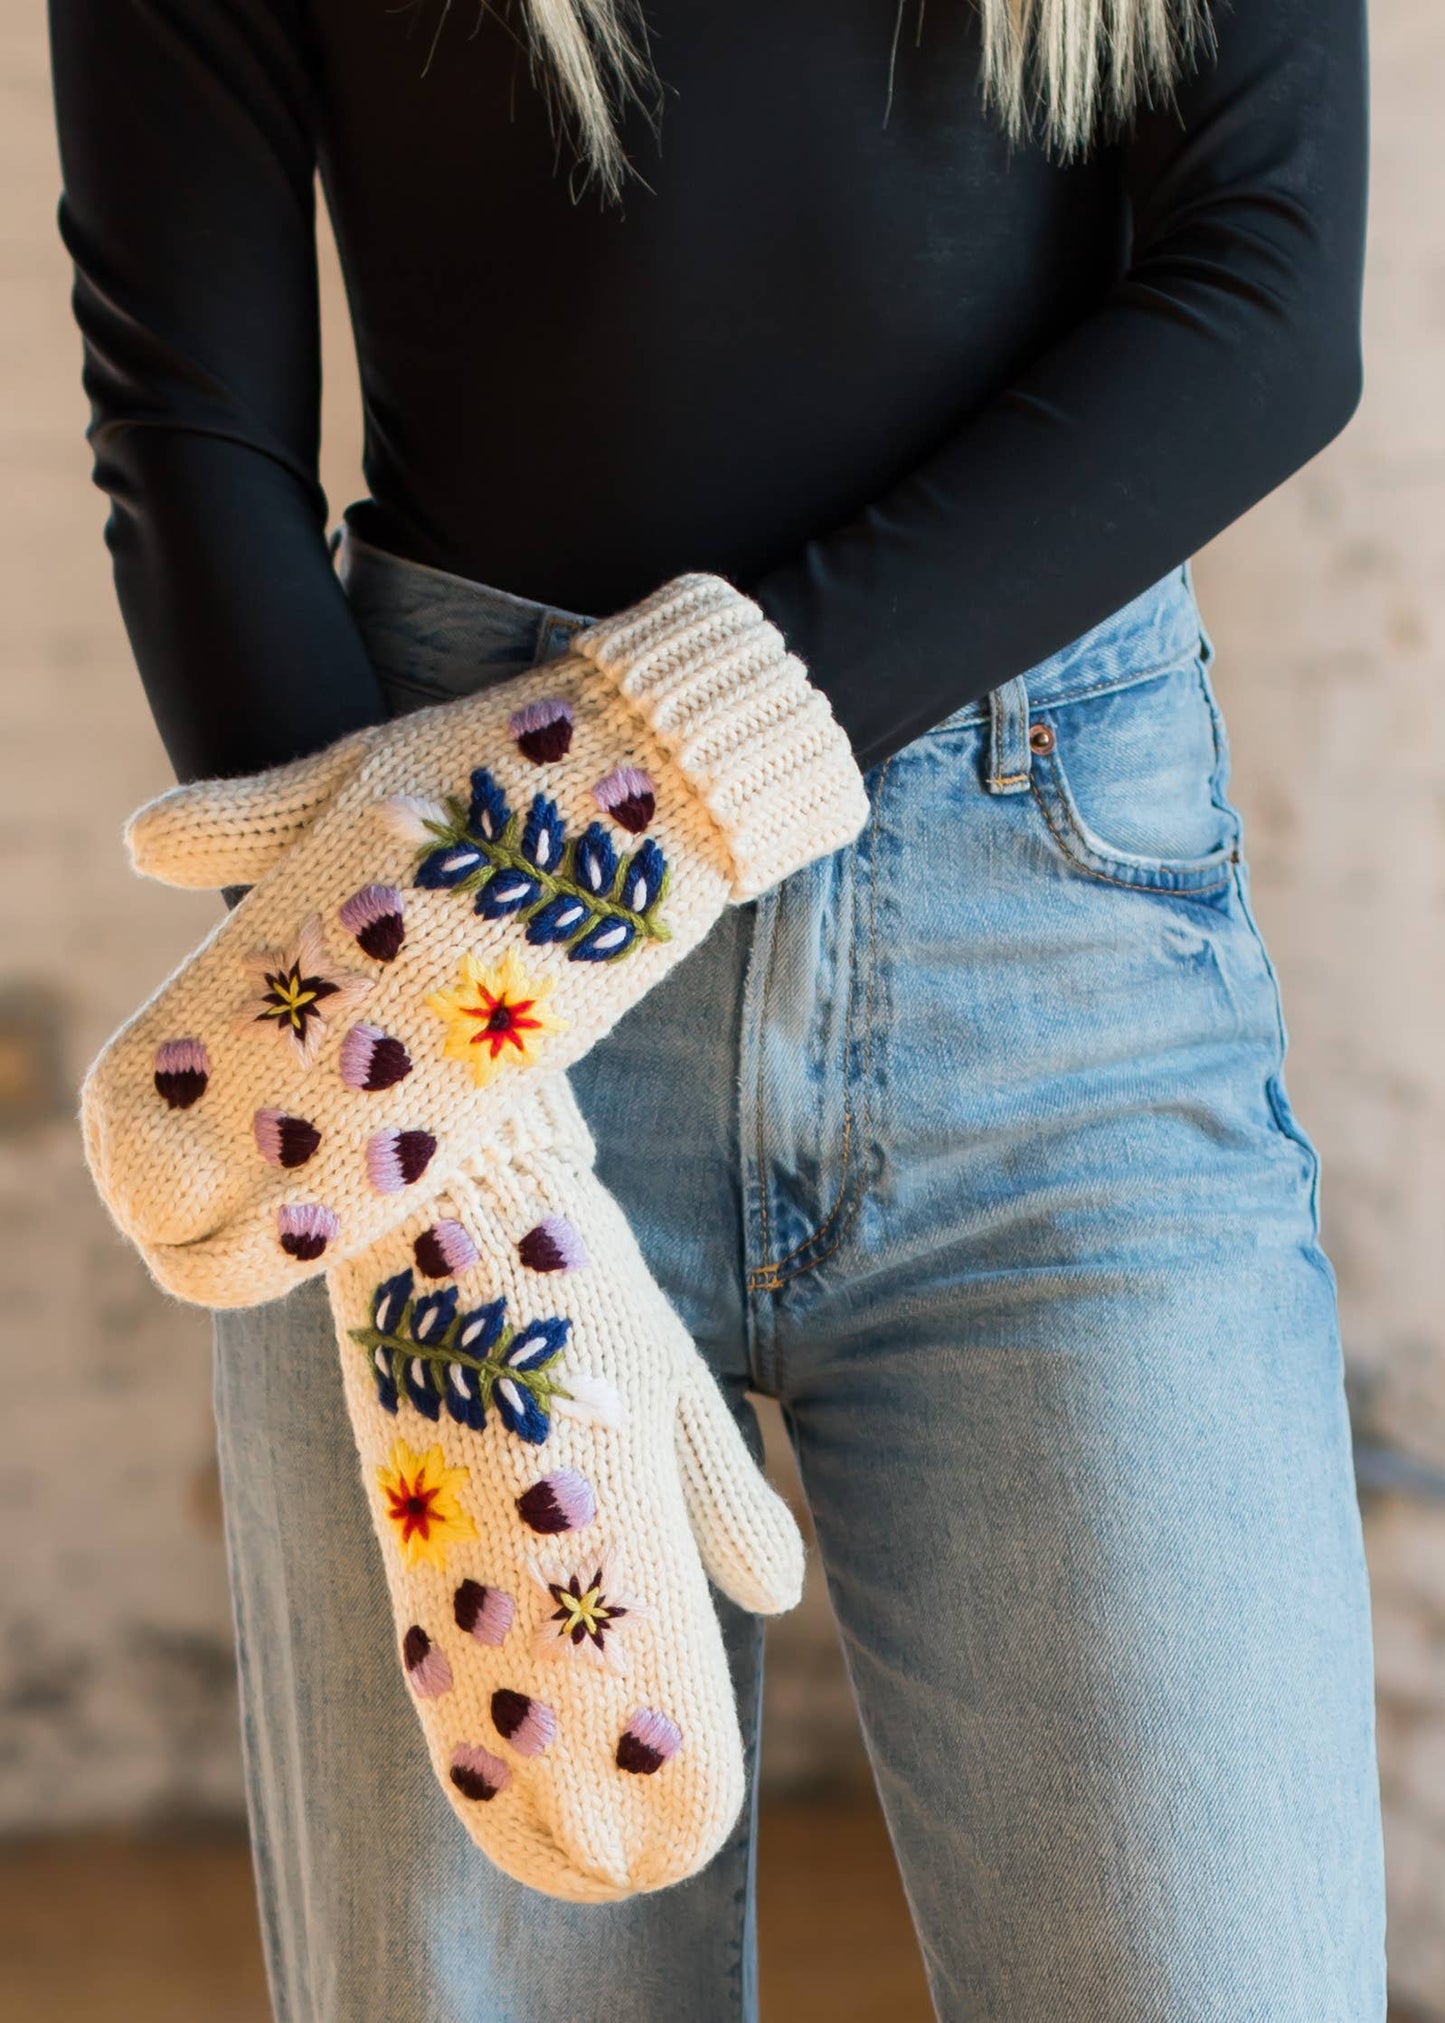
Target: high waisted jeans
x=971 y=1146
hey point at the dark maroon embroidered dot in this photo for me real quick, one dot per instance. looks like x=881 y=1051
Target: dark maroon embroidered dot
x=426 y=1666
x=647 y=1742
x=305 y=1229
x=414 y=1646
x=553 y=1245
x=526 y=1724
x=444 y=1251
x=282 y=1140
x=561 y=1502
x=182 y=1070
x=478 y=1774
x=374 y=916
x=543 y=730
x=485 y=1613
x=373 y=1060
x=509 y=1711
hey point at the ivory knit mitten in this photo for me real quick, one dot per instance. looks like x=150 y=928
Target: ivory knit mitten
x=441 y=908
x=550 y=1468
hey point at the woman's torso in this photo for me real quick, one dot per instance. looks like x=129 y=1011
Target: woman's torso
x=805 y=288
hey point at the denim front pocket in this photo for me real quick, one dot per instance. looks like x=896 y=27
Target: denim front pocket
x=1130 y=784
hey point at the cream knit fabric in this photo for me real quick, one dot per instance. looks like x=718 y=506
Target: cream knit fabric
x=550 y=1468
x=444 y=907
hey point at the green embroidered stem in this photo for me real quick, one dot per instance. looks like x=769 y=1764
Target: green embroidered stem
x=505 y=854
x=488 y=1370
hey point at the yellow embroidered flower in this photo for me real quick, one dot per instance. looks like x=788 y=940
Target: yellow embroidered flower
x=494 y=1016
x=419 y=1495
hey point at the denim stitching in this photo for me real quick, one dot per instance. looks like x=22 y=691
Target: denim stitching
x=1144 y=883
x=771 y=1278
x=1110 y=684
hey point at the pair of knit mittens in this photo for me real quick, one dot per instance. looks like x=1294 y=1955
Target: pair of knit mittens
x=360 y=1073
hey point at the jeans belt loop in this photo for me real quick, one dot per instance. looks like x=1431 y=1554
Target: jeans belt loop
x=1010 y=760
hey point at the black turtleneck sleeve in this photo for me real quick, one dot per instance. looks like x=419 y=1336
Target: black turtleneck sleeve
x=941 y=402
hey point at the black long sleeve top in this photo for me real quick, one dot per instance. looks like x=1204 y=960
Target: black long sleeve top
x=939 y=402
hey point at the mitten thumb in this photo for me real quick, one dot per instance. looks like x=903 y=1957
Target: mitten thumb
x=745 y=1532
x=231 y=832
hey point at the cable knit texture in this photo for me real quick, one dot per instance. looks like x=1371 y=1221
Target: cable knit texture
x=552 y=1474
x=442 y=909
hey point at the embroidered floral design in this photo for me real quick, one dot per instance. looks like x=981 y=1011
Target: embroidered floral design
x=543 y=730
x=526 y=1723
x=376 y=918
x=476 y=1773
x=419 y=1500
x=424 y=1350
x=583 y=1613
x=426 y=1665
x=282 y=1140
x=575 y=891
x=372 y=1060
x=445 y=1250
x=553 y=1245
x=298 y=993
x=398 y=1159
x=647 y=1742
x=304 y=1228
x=494 y=1017
x=182 y=1070
x=565 y=1501
x=483 y=1613
x=629 y=797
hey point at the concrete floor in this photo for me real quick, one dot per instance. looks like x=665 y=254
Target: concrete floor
x=125 y=1931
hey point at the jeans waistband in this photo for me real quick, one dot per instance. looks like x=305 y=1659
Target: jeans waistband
x=452 y=635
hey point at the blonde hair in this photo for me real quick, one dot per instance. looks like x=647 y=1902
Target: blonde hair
x=1054 y=69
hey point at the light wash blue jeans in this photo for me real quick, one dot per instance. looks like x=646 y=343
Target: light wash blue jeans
x=971 y=1146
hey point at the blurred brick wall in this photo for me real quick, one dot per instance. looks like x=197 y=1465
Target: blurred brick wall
x=1328 y=607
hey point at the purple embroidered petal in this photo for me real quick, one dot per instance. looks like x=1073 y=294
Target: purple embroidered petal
x=444 y=1251
x=609 y=938
x=561 y=1502
x=647 y=1742
x=527 y=1724
x=390 y=1303
x=374 y=916
x=553 y=1245
x=559 y=919
x=480 y=1327
x=182 y=1070
x=426 y=1666
x=485 y=1613
x=543 y=730
x=372 y=1059
x=282 y=1140
x=397 y=1159
x=629 y=797
x=595 y=860
x=432 y=1316
x=476 y=1773
x=305 y=1229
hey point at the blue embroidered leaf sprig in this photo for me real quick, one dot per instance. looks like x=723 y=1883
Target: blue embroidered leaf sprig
x=428 y=1353
x=574 y=890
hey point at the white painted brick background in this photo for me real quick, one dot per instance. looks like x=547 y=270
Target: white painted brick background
x=1328 y=608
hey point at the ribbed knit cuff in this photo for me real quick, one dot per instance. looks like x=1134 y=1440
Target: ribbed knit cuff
x=735 y=710
x=543 y=1118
